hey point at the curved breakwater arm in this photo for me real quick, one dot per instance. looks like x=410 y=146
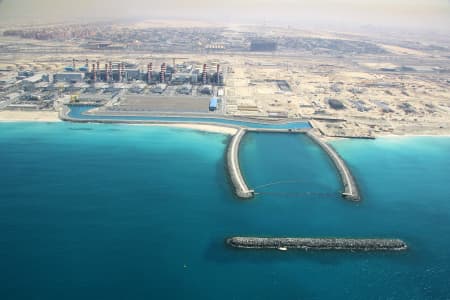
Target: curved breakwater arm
x=234 y=170
x=350 y=189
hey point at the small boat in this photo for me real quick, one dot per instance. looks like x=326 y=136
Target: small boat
x=282 y=248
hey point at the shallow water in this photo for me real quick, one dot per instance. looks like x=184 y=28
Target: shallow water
x=93 y=211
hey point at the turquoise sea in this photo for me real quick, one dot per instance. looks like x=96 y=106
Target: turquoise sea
x=95 y=211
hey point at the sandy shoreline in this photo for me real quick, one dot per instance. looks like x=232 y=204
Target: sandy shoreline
x=52 y=116
x=413 y=135
x=29 y=116
x=200 y=127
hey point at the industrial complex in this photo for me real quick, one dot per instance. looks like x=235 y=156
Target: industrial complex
x=345 y=85
x=184 y=87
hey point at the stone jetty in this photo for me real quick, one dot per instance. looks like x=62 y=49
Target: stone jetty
x=350 y=189
x=234 y=170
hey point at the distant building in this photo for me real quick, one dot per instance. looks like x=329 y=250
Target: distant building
x=215 y=47
x=68 y=77
x=181 y=78
x=26 y=73
x=206 y=90
x=263 y=45
x=98 y=44
x=35 y=78
x=133 y=74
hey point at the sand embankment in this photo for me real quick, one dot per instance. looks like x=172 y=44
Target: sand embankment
x=52 y=116
x=203 y=127
x=29 y=116
x=200 y=127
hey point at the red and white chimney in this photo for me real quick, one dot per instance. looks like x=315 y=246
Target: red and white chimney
x=97 y=70
x=106 y=73
x=110 y=71
x=119 y=67
x=162 y=76
x=149 y=72
x=204 y=78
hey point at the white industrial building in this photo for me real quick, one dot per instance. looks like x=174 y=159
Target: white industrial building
x=68 y=77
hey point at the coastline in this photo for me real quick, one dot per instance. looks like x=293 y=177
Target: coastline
x=29 y=116
x=390 y=136
x=199 y=127
x=53 y=116
x=408 y=135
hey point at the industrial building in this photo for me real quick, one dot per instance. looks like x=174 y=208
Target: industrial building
x=263 y=45
x=68 y=77
x=213 y=104
x=167 y=74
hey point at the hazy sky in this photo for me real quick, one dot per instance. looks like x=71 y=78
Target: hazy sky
x=402 y=13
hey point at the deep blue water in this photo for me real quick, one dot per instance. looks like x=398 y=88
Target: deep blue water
x=95 y=211
x=77 y=112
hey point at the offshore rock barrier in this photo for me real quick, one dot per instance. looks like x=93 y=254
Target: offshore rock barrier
x=318 y=243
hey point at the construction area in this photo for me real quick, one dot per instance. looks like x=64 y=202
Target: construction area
x=162 y=104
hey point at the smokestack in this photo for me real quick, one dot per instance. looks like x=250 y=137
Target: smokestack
x=149 y=72
x=94 y=72
x=73 y=64
x=121 y=68
x=106 y=73
x=204 y=74
x=218 y=74
x=163 y=73
x=87 y=63
x=97 y=70
x=110 y=71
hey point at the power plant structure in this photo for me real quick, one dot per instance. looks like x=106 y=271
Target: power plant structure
x=262 y=45
x=168 y=74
